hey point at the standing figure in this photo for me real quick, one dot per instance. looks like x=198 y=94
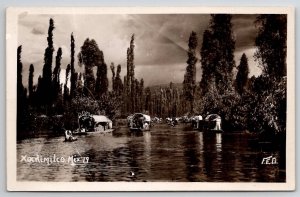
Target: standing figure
x=218 y=124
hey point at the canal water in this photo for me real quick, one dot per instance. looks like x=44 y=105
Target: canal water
x=163 y=154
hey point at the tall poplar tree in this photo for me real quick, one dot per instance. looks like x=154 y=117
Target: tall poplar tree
x=30 y=83
x=73 y=73
x=56 y=75
x=104 y=79
x=113 y=72
x=222 y=34
x=66 y=94
x=242 y=75
x=208 y=56
x=38 y=92
x=130 y=76
x=101 y=86
x=217 y=54
x=141 y=95
x=46 y=95
x=189 y=83
x=148 y=101
x=20 y=87
x=22 y=110
x=118 y=81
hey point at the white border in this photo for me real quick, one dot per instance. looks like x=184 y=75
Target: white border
x=11 y=70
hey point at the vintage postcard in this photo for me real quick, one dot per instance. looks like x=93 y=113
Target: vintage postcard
x=150 y=99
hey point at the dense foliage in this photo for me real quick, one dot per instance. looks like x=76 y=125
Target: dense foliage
x=257 y=104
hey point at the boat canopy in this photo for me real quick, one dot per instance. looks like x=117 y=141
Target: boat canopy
x=147 y=117
x=101 y=118
x=212 y=117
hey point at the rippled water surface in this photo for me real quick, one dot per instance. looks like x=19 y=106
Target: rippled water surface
x=164 y=154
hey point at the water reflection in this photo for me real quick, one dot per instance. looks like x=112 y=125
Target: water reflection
x=219 y=142
x=147 y=151
x=164 y=154
x=201 y=158
x=219 y=158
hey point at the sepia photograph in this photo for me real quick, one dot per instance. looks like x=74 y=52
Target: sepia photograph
x=150 y=99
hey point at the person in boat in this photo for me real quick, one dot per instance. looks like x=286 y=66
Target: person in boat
x=214 y=122
x=146 y=126
x=140 y=122
x=198 y=119
x=86 y=122
x=174 y=120
x=131 y=124
x=172 y=124
x=218 y=124
x=68 y=136
x=194 y=122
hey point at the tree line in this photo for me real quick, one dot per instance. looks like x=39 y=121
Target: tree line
x=255 y=104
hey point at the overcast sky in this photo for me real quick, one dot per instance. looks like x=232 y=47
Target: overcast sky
x=160 y=41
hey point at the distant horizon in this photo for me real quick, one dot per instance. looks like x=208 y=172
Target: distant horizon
x=160 y=43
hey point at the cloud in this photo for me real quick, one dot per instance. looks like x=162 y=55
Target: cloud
x=39 y=30
x=168 y=35
x=244 y=30
x=161 y=41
